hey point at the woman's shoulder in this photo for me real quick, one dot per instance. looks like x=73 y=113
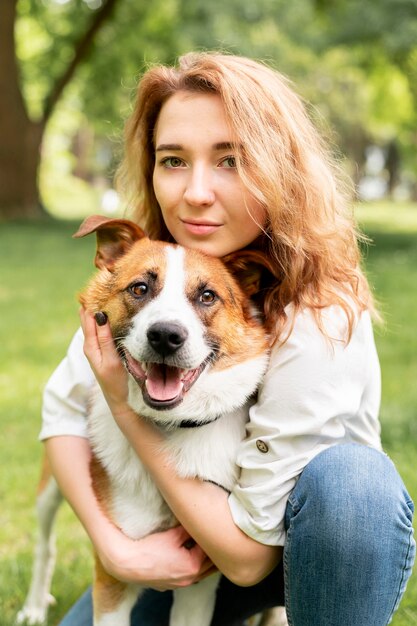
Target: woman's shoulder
x=324 y=330
x=323 y=360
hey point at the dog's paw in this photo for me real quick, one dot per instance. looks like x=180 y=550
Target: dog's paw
x=32 y=617
x=35 y=615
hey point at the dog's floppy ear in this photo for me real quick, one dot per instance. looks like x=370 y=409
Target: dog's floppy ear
x=253 y=270
x=114 y=238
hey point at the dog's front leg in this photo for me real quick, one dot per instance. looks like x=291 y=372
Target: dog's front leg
x=194 y=605
x=113 y=600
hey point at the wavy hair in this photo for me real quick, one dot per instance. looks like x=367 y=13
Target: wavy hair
x=310 y=235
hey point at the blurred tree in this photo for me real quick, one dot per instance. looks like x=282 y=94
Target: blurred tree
x=382 y=36
x=354 y=61
x=45 y=46
x=21 y=133
x=387 y=25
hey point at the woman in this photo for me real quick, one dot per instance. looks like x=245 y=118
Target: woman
x=221 y=155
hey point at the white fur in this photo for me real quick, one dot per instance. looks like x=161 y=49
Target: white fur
x=38 y=600
x=194 y=605
x=171 y=305
x=121 y=614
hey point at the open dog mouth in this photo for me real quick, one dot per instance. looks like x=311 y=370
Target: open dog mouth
x=163 y=386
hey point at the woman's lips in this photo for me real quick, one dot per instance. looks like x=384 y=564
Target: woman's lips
x=200 y=228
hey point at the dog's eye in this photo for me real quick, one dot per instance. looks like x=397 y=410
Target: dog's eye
x=138 y=290
x=208 y=297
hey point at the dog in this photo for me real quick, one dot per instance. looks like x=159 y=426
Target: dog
x=195 y=349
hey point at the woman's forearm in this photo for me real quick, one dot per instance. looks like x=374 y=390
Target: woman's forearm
x=203 y=510
x=160 y=561
x=69 y=457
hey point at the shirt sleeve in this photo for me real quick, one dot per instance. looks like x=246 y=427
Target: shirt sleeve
x=66 y=395
x=316 y=393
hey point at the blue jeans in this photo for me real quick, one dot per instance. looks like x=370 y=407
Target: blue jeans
x=347 y=559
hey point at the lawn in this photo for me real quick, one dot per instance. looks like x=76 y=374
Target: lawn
x=42 y=269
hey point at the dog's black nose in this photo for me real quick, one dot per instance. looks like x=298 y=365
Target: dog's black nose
x=166 y=337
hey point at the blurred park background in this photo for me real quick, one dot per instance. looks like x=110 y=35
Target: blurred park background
x=68 y=71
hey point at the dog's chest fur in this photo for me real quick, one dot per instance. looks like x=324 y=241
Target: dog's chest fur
x=131 y=497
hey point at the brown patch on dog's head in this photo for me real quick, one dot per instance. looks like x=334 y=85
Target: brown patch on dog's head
x=124 y=256
x=253 y=270
x=234 y=321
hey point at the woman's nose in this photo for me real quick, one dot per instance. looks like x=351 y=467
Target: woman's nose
x=199 y=190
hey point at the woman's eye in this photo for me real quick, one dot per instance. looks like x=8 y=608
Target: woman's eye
x=138 y=290
x=172 y=162
x=229 y=162
x=208 y=297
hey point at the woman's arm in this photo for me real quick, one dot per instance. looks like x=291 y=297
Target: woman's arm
x=202 y=508
x=159 y=561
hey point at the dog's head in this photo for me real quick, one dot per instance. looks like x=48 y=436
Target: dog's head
x=183 y=322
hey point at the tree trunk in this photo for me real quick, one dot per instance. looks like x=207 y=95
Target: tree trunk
x=20 y=137
x=393 y=164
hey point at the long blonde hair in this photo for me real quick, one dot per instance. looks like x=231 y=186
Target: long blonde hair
x=310 y=235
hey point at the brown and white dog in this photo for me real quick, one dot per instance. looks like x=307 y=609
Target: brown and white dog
x=195 y=349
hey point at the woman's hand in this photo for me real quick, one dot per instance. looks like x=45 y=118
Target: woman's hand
x=105 y=361
x=164 y=560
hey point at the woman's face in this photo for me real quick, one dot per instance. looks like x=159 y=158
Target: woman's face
x=203 y=201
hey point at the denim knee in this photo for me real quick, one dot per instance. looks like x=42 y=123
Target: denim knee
x=349 y=538
x=346 y=476
x=350 y=488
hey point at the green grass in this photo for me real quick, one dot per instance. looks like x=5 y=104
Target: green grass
x=42 y=269
x=391 y=263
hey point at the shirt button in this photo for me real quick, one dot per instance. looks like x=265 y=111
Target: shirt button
x=262 y=446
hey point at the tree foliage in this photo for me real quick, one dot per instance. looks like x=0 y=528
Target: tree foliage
x=355 y=61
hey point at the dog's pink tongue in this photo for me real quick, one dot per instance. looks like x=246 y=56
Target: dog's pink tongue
x=163 y=382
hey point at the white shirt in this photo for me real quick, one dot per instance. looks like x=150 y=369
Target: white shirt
x=315 y=394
